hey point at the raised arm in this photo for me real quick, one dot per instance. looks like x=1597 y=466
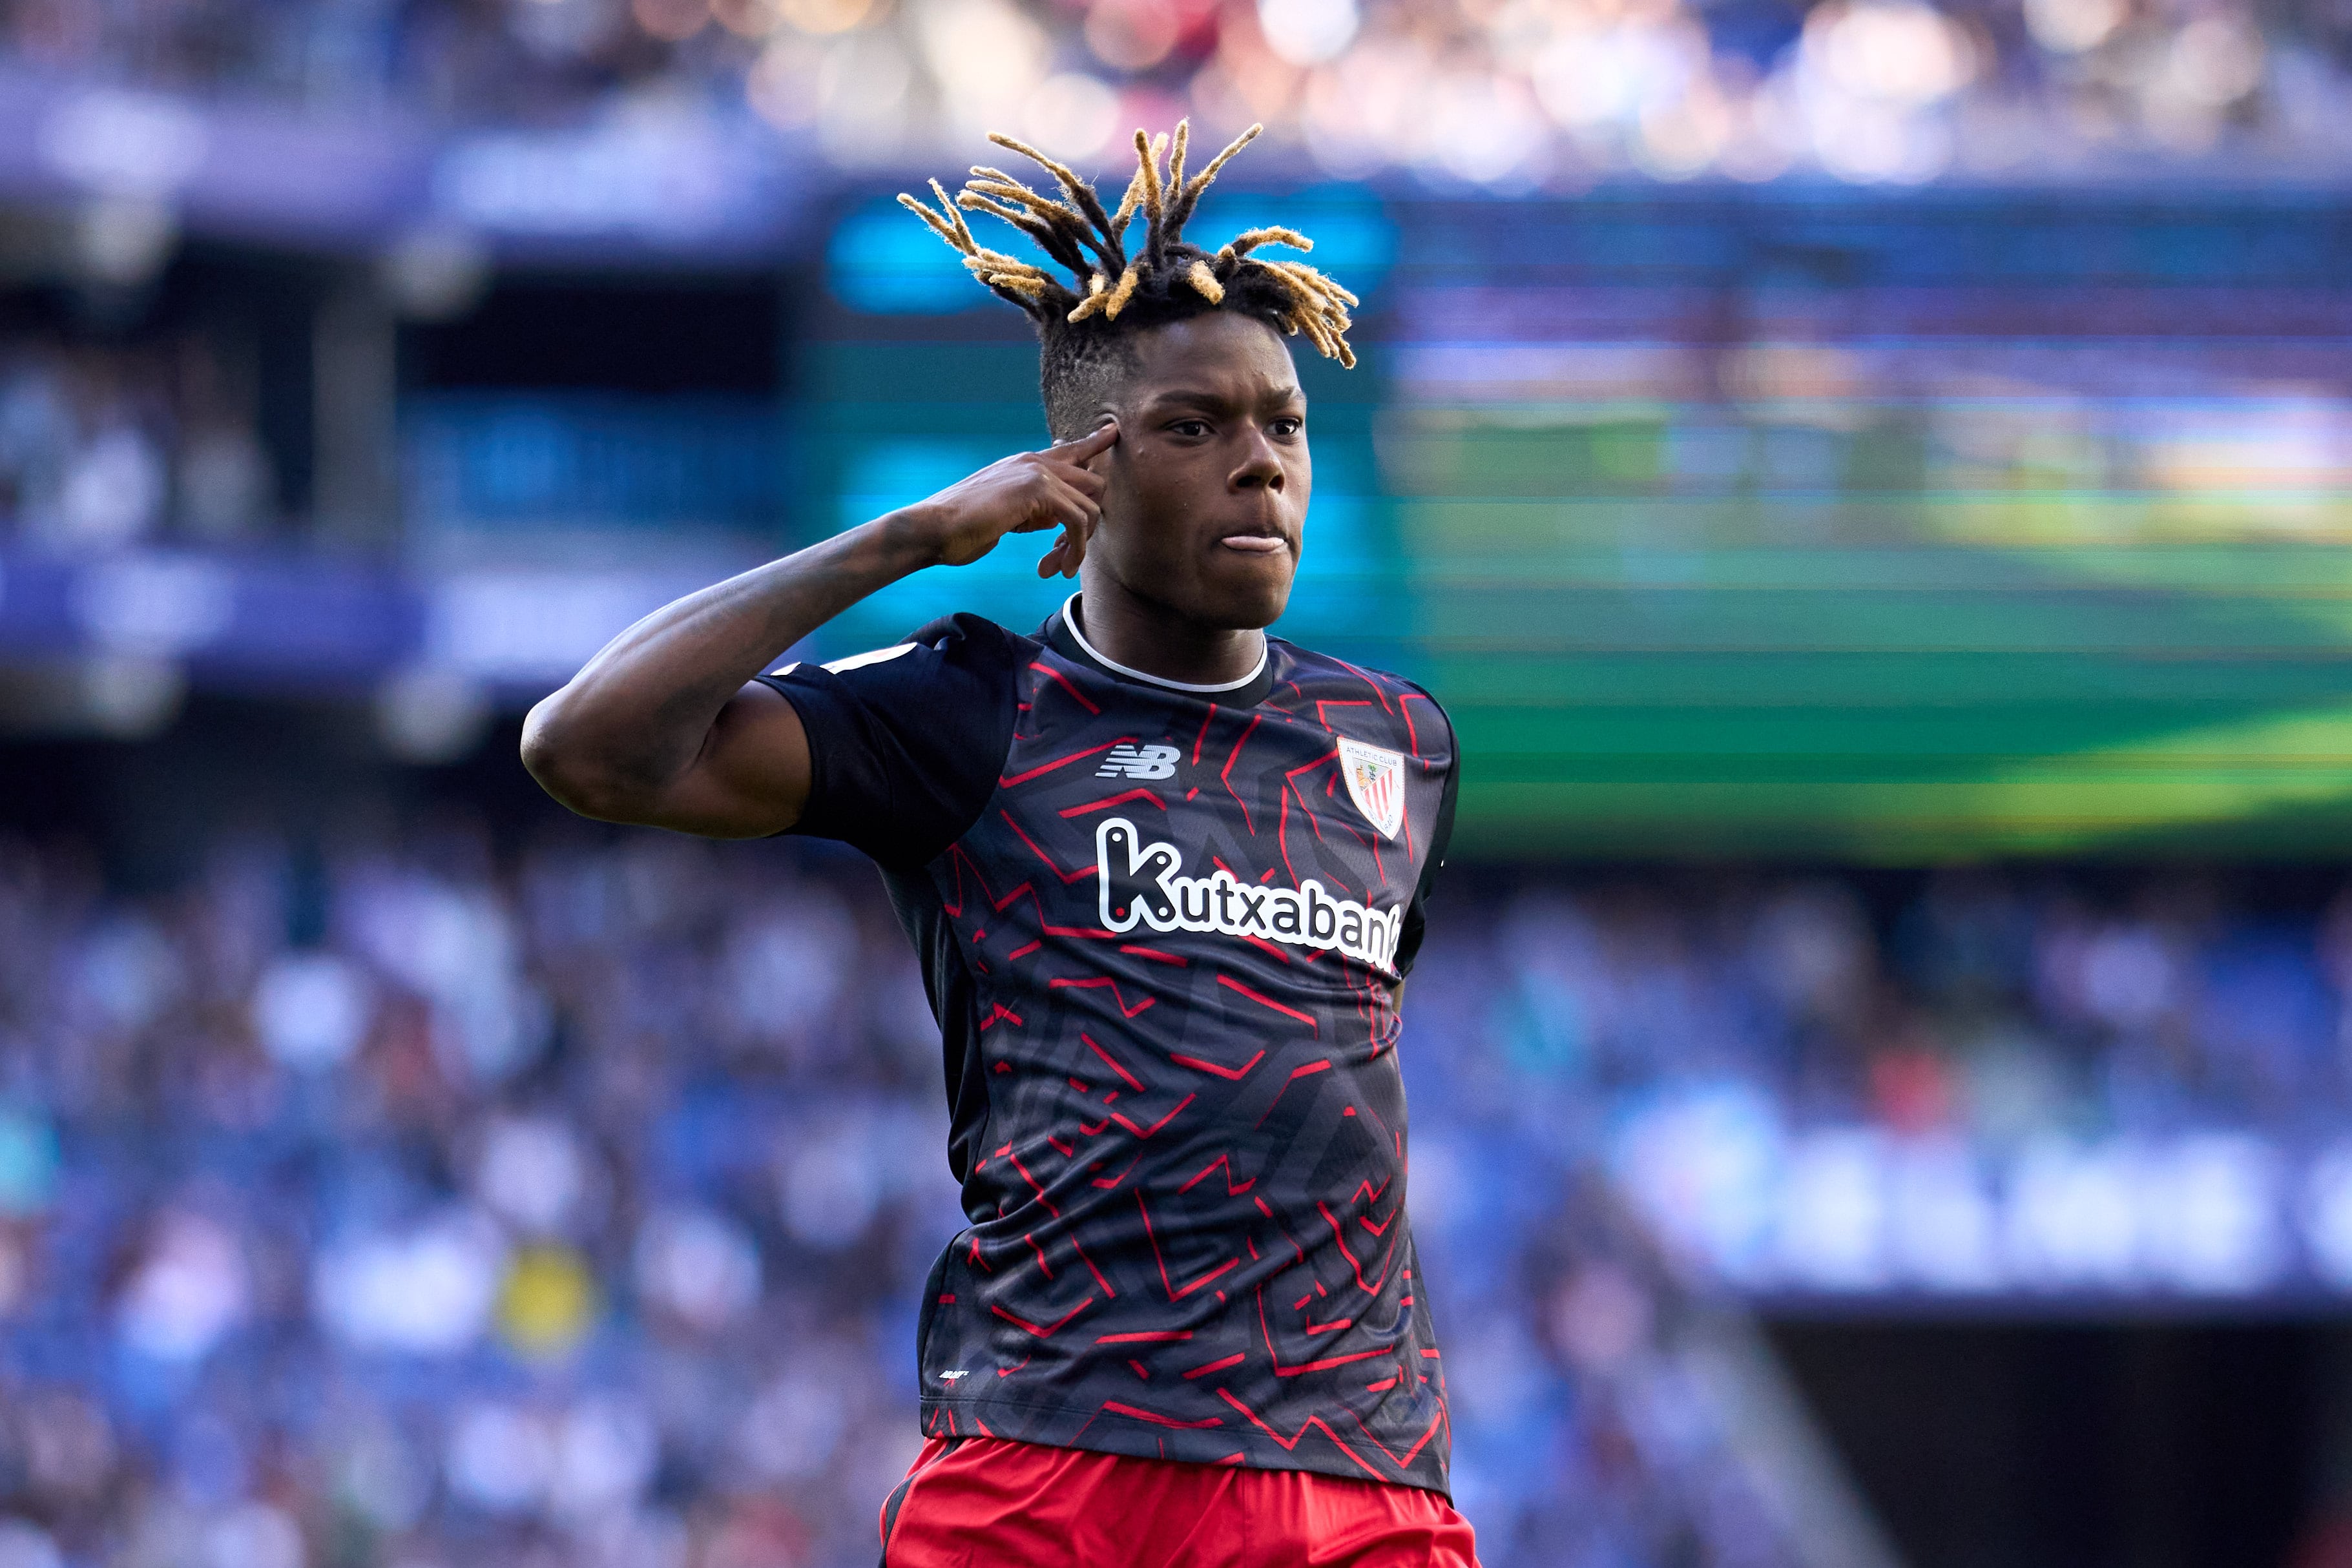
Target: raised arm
x=665 y=725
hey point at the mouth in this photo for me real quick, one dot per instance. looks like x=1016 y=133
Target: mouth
x=1255 y=544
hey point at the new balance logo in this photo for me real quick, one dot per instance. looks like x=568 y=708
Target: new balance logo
x=1131 y=761
x=1146 y=884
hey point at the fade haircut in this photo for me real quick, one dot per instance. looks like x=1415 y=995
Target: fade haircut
x=1086 y=329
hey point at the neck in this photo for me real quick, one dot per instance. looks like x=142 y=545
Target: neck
x=1142 y=635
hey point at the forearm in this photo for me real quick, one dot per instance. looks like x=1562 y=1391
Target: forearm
x=638 y=714
x=660 y=726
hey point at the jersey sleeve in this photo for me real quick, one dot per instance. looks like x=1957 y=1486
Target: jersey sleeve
x=906 y=742
x=1415 y=924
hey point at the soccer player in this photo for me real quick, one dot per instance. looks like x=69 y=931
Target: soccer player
x=1165 y=874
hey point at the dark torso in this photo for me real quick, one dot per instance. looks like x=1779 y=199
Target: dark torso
x=1167 y=956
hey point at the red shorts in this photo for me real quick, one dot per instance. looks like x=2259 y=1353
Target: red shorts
x=982 y=1502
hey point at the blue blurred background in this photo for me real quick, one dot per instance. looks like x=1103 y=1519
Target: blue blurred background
x=1870 y=480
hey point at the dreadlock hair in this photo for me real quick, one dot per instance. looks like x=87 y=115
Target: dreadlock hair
x=1085 y=328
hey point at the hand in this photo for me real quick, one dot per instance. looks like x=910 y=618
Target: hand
x=1022 y=494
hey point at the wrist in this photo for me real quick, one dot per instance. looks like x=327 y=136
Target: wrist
x=912 y=537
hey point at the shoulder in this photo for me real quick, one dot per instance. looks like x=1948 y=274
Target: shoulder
x=974 y=642
x=971 y=646
x=905 y=741
x=1404 y=707
x=950 y=683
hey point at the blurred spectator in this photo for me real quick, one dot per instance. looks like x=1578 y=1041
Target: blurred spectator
x=102 y=447
x=1512 y=93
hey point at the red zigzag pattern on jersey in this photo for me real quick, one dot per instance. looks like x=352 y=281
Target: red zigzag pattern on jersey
x=1060 y=981
x=961 y=860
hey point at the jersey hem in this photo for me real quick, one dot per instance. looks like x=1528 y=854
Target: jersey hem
x=1108 y=1432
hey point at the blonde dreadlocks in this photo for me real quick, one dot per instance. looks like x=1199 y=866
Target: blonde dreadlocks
x=1112 y=292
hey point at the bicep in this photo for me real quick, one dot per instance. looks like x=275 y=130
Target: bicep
x=751 y=777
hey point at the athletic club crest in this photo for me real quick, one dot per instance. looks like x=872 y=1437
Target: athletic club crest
x=1375 y=783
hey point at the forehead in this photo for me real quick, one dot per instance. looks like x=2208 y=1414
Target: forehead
x=1227 y=354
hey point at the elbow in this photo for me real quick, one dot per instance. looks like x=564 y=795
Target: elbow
x=566 y=767
x=546 y=756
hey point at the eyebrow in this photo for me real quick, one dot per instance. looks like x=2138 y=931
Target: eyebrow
x=1198 y=397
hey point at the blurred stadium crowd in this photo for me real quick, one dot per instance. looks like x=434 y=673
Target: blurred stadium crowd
x=2025 y=1089
x=389 y=1204
x=106 y=445
x=1507 y=92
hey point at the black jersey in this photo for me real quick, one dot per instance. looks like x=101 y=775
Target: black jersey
x=1165 y=929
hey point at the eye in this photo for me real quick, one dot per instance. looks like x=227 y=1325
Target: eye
x=1189 y=428
x=1288 y=425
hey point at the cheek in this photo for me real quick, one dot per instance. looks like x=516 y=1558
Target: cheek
x=1138 y=525
x=1161 y=493
x=1159 y=471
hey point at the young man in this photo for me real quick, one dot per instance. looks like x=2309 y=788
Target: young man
x=1165 y=874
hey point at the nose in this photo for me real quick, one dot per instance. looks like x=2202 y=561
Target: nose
x=1260 y=465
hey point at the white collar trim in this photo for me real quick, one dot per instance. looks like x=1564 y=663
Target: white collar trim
x=1070 y=619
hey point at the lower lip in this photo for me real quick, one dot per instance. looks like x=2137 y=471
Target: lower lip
x=1252 y=544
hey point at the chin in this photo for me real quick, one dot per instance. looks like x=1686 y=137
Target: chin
x=1247 y=608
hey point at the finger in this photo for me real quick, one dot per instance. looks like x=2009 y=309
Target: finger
x=1069 y=552
x=1050 y=564
x=1089 y=507
x=1070 y=549
x=1084 y=480
x=1100 y=439
x=1074 y=549
x=1088 y=447
x=1075 y=541
x=1071 y=503
x=1058 y=505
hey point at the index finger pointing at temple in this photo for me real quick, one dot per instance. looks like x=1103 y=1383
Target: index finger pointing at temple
x=1094 y=444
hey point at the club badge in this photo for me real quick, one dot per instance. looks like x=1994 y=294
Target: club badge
x=1375 y=783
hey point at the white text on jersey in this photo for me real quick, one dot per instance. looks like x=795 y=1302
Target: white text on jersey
x=1148 y=884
